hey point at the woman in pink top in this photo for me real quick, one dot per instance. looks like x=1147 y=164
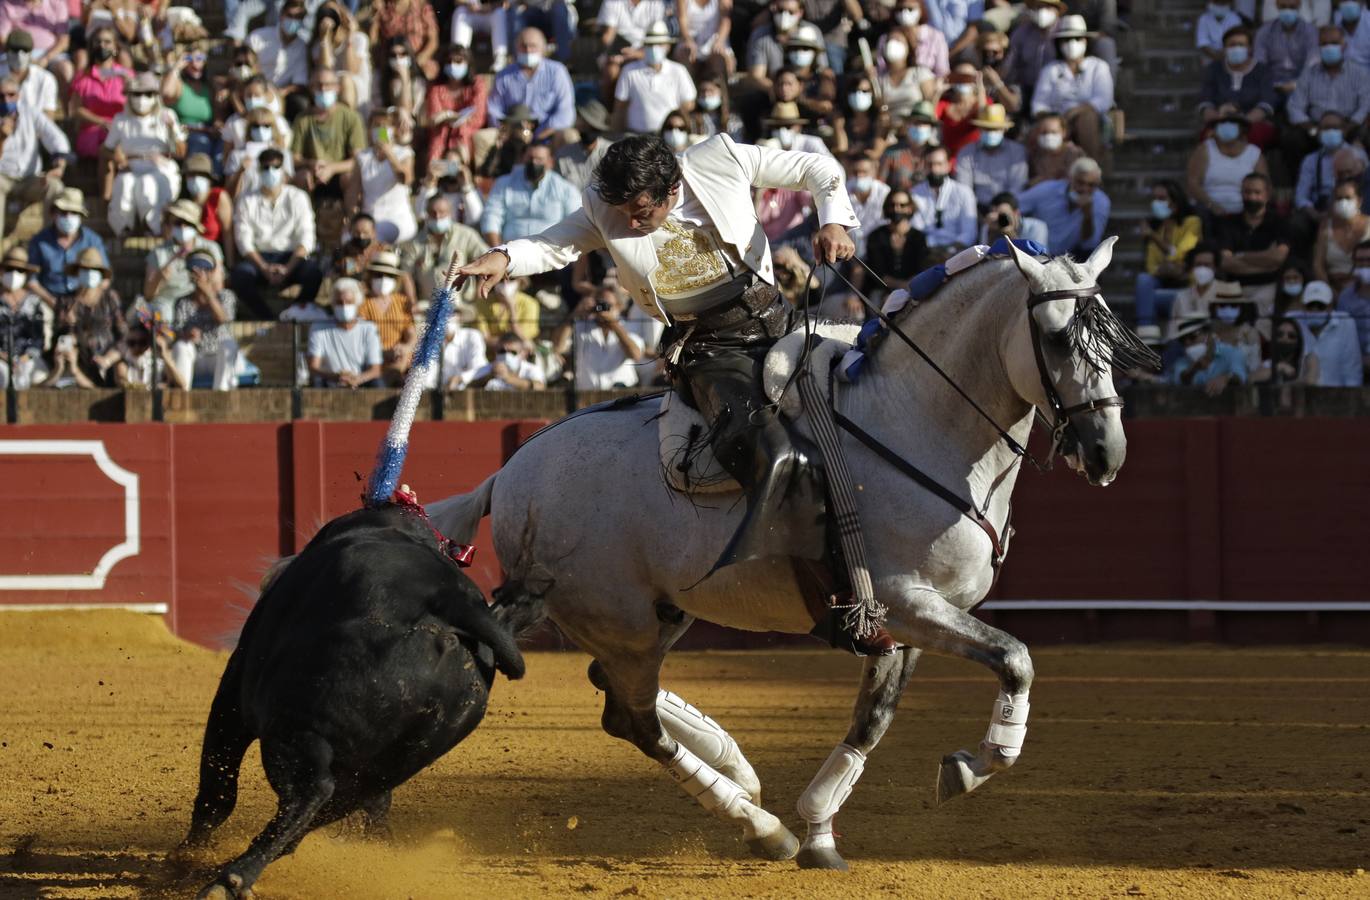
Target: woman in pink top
x=97 y=94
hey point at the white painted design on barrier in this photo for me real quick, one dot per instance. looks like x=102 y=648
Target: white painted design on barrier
x=84 y=581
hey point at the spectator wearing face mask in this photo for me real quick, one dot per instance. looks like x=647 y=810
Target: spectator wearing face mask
x=903 y=84
x=1217 y=166
x=946 y=208
x=528 y=200
x=713 y=113
x=43 y=27
x=1354 y=299
x=454 y=108
x=1050 y=152
x=652 y=87
x=705 y=36
x=510 y=370
x=202 y=187
x=283 y=56
x=21 y=316
x=1214 y=22
x=256 y=94
x=1290 y=280
x=929 y=46
x=896 y=251
x=901 y=165
x=141 y=152
x=675 y=131
x=97 y=93
x=392 y=311
x=1339 y=236
x=766 y=44
x=1207 y=363
x=1234 y=324
x=1350 y=16
x=988 y=55
x=205 y=353
x=785 y=127
x=1075 y=210
x=326 y=140
x=61 y=244
x=337 y=43
x=1317 y=172
x=442 y=240
x=166 y=278
x=463 y=356
x=1254 y=244
x=508 y=308
x=415 y=22
x=37 y=86
x=23 y=176
x=1286 y=362
x=378 y=184
x=1078 y=87
x=995 y=163
x=1286 y=43
x=92 y=314
x=274 y=231
x=957 y=109
x=347 y=351
x=452 y=179
x=1239 y=82
x=860 y=127
x=401 y=88
x=868 y=196
x=1031 y=44
x=1171 y=232
x=1330 y=338
x=541 y=87
x=576 y=161
x=263 y=132
x=1195 y=299
x=1332 y=84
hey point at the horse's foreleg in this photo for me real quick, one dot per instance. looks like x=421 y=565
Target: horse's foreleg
x=630 y=712
x=708 y=740
x=922 y=618
x=882 y=682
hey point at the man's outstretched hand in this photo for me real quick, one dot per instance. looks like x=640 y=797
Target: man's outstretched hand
x=831 y=244
x=489 y=271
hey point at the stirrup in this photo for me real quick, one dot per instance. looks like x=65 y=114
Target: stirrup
x=830 y=629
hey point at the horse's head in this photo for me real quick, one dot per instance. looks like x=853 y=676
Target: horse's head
x=1061 y=360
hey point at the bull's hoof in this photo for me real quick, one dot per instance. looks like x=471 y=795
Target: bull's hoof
x=821 y=858
x=957 y=777
x=778 y=845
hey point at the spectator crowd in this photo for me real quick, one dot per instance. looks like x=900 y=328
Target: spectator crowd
x=320 y=162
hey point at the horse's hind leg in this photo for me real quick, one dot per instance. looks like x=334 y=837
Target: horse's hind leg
x=882 y=682
x=226 y=740
x=921 y=617
x=630 y=712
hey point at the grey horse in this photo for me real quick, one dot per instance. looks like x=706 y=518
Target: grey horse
x=581 y=517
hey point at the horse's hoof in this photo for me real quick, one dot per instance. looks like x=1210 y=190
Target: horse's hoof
x=821 y=858
x=228 y=888
x=956 y=777
x=215 y=891
x=779 y=845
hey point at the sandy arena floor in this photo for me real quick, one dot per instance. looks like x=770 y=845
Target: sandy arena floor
x=1163 y=772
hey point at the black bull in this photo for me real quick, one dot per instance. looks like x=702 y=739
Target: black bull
x=368 y=657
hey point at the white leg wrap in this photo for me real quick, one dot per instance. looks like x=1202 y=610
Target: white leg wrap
x=716 y=793
x=832 y=785
x=1008 y=724
x=706 y=739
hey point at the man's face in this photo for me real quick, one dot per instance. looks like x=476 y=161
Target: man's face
x=440 y=208
x=325 y=80
x=644 y=216
x=938 y=164
x=998 y=216
x=539 y=155
x=1253 y=191
x=530 y=40
x=363 y=230
x=1084 y=184
x=864 y=168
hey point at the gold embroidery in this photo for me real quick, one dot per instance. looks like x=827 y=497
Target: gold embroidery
x=690 y=261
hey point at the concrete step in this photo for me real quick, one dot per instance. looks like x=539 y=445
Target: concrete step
x=1172 y=62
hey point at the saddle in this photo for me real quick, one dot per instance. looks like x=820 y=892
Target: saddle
x=687 y=460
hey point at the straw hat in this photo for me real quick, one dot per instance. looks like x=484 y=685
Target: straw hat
x=90 y=258
x=386 y=262
x=594 y=113
x=785 y=112
x=922 y=112
x=145 y=83
x=994 y=117
x=1227 y=290
x=1189 y=326
x=658 y=33
x=199 y=164
x=187 y=211
x=17 y=258
x=1073 y=27
x=71 y=200
x=807 y=35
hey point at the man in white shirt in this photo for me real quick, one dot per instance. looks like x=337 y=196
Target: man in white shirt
x=868 y=195
x=283 y=55
x=652 y=87
x=629 y=20
x=606 y=351
x=946 y=208
x=37 y=86
x=346 y=352
x=21 y=165
x=1078 y=87
x=274 y=230
x=463 y=356
x=510 y=370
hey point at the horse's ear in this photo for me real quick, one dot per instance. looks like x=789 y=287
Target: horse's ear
x=1101 y=257
x=1032 y=270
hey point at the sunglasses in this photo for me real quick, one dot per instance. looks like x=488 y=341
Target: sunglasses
x=196 y=57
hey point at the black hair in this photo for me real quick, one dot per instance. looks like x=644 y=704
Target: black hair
x=270 y=155
x=1179 y=203
x=1004 y=197
x=639 y=164
x=1354 y=182
x=1197 y=249
x=361 y=215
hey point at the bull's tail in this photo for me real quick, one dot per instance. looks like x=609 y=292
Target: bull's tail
x=458 y=517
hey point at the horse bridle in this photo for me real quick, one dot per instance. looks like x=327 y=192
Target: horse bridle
x=1064 y=438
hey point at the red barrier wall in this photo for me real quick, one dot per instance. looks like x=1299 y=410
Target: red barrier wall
x=1238 y=511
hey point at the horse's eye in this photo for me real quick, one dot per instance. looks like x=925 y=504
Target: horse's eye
x=1058 y=340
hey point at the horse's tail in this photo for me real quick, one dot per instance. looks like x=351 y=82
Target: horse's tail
x=458 y=517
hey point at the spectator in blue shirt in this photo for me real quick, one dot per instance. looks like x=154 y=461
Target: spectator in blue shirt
x=1354 y=300
x=1074 y=209
x=527 y=200
x=1207 y=362
x=56 y=248
x=543 y=85
x=1330 y=338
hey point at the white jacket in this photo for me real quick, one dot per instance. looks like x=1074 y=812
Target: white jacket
x=721 y=174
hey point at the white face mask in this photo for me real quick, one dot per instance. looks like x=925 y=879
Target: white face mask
x=907 y=17
x=710 y=102
x=183 y=234
x=198 y=185
x=1345 y=208
x=440 y=226
x=654 y=54
x=1292 y=288
x=383 y=286
x=140 y=104
x=506 y=289
x=801 y=59
x=786 y=20
x=1203 y=275
x=1073 y=49
x=260 y=134
x=896 y=51
x=68 y=223
x=345 y=312
x=90 y=278
x=860 y=101
x=1050 y=141
x=676 y=139
x=255 y=101
x=1045 y=17
x=1196 y=351
x=271 y=178
x=13 y=280
x=784 y=137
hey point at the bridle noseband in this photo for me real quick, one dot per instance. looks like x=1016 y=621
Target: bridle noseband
x=1064 y=438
